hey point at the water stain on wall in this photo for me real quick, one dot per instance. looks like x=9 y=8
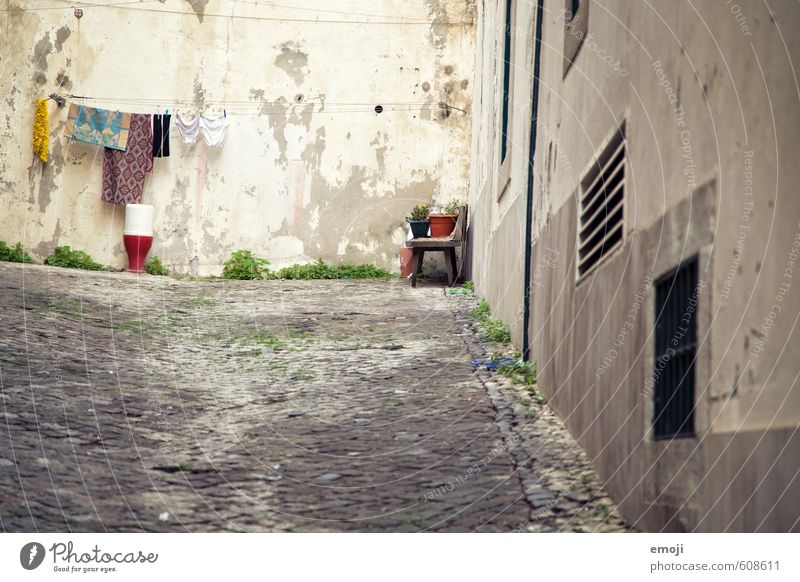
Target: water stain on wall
x=293 y=61
x=199 y=7
x=62 y=34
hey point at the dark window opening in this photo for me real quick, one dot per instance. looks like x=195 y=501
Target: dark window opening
x=576 y=5
x=507 y=38
x=576 y=28
x=677 y=297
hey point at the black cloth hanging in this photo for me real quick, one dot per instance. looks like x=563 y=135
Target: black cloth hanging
x=161 y=135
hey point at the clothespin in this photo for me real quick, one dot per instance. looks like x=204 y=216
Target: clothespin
x=60 y=101
x=224 y=113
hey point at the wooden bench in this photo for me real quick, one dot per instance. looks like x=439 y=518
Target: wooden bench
x=447 y=245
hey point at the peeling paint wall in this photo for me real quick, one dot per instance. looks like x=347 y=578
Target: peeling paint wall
x=308 y=169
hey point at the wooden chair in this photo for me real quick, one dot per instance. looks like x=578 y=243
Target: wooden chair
x=447 y=245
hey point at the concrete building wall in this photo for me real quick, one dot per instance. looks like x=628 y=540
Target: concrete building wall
x=307 y=170
x=712 y=110
x=498 y=210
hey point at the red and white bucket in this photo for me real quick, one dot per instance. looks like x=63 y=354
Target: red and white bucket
x=138 y=235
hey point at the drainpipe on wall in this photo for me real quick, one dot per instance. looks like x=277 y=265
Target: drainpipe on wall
x=526 y=296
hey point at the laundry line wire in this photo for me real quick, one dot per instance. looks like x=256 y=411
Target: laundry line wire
x=257 y=3
x=127 y=6
x=308 y=9
x=348 y=111
x=236 y=113
x=220 y=102
x=254 y=108
x=77 y=4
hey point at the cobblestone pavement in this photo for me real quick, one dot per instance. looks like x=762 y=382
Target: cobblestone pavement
x=149 y=403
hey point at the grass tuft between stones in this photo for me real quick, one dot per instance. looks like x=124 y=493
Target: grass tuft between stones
x=493 y=329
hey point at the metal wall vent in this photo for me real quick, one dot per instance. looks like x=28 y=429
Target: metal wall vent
x=602 y=205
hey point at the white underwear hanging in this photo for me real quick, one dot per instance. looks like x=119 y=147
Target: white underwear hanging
x=213 y=130
x=189 y=130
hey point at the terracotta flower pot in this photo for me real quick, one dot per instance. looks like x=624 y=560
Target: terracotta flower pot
x=406 y=254
x=442 y=225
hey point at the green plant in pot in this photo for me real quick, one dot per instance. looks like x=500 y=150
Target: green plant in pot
x=418 y=220
x=443 y=221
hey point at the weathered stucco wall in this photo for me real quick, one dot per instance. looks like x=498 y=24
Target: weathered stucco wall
x=712 y=111
x=308 y=169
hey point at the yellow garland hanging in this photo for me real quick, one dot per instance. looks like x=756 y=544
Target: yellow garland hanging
x=41 y=130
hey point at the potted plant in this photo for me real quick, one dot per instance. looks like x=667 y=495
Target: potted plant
x=443 y=221
x=418 y=220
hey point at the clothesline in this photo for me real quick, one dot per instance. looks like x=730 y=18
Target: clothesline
x=250 y=108
x=244 y=17
x=130 y=141
x=257 y=4
x=234 y=101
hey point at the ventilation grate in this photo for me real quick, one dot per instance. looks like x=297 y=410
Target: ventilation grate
x=602 y=201
x=676 y=348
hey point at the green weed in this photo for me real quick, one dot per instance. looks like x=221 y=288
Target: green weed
x=482 y=311
x=15 y=254
x=73 y=259
x=605 y=512
x=200 y=302
x=154 y=266
x=262 y=338
x=322 y=270
x=244 y=266
x=494 y=330
x=65 y=305
x=134 y=325
x=523 y=373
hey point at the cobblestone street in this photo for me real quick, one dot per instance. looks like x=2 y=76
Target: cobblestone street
x=149 y=403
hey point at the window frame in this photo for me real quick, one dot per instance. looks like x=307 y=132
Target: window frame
x=679 y=350
x=506 y=66
x=576 y=28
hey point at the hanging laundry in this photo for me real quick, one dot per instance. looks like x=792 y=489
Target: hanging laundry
x=161 y=135
x=213 y=130
x=98 y=126
x=124 y=172
x=189 y=130
x=41 y=130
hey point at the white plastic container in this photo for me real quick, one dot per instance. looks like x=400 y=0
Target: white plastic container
x=138 y=220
